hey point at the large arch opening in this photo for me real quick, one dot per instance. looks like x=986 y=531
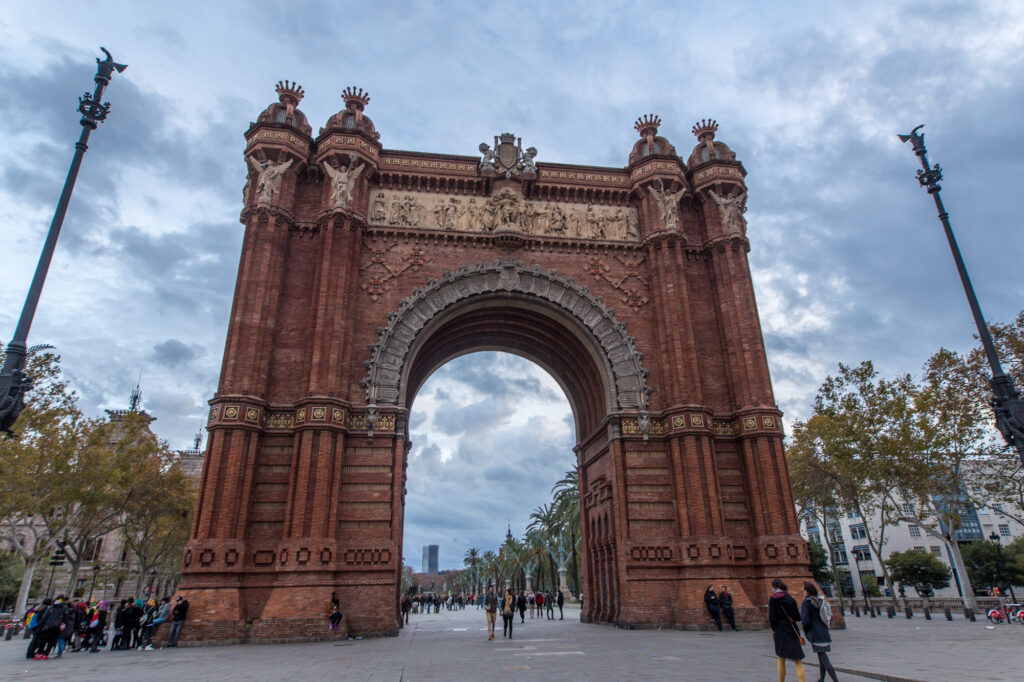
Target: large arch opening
x=492 y=434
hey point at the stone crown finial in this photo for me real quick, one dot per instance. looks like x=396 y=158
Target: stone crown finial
x=647 y=125
x=289 y=93
x=704 y=128
x=356 y=96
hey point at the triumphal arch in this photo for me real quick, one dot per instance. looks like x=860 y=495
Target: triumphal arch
x=364 y=269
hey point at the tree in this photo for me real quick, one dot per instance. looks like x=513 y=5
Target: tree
x=986 y=567
x=567 y=503
x=38 y=467
x=916 y=567
x=949 y=431
x=819 y=565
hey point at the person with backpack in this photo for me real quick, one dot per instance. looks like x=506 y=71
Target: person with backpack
x=98 y=626
x=491 y=610
x=815 y=615
x=711 y=604
x=34 y=621
x=783 y=616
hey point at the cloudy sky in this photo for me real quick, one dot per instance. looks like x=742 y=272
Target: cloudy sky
x=849 y=261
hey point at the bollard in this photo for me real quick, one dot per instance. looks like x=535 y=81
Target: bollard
x=9 y=633
x=909 y=612
x=856 y=611
x=890 y=611
x=969 y=614
x=927 y=613
x=947 y=612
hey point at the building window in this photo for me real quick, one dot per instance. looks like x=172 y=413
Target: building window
x=998 y=507
x=937 y=550
x=859 y=531
x=1004 y=529
x=814 y=537
x=852 y=515
x=915 y=531
x=839 y=556
x=907 y=510
x=919 y=548
x=862 y=553
x=91 y=551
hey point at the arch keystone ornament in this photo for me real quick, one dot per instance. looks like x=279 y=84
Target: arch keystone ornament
x=629 y=285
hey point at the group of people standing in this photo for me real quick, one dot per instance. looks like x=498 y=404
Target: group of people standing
x=719 y=604
x=58 y=624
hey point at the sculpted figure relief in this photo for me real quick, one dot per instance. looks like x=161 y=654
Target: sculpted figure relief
x=732 y=209
x=268 y=178
x=343 y=180
x=667 y=203
x=506 y=210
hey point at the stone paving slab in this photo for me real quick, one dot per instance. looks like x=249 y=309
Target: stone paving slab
x=453 y=646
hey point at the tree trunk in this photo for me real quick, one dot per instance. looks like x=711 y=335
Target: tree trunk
x=831 y=562
x=966 y=589
x=23 y=589
x=72 y=577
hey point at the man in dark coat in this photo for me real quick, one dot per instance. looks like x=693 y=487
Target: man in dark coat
x=784 y=617
x=561 y=603
x=725 y=603
x=36 y=626
x=178 y=614
x=711 y=604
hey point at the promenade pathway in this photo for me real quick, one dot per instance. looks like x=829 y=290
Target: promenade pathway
x=453 y=646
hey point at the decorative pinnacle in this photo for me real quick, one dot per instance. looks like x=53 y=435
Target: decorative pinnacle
x=647 y=125
x=704 y=128
x=289 y=93
x=355 y=96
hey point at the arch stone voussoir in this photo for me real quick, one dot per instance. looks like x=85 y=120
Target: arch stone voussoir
x=390 y=354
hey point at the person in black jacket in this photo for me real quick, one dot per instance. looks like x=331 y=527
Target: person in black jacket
x=178 y=614
x=561 y=603
x=711 y=602
x=521 y=605
x=725 y=603
x=96 y=633
x=36 y=642
x=816 y=630
x=783 y=616
x=120 y=641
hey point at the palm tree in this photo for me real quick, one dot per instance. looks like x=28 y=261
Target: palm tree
x=472 y=559
x=567 y=502
x=546 y=523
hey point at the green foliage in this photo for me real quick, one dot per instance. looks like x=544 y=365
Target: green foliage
x=985 y=567
x=915 y=566
x=12 y=566
x=820 y=570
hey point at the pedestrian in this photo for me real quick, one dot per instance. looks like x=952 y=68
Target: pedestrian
x=119 y=641
x=508 y=606
x=725 y=603
x=783 y=616
x=163 y=614
x=178 y=614
x=540 y=604
x=132 y=620
x=33 y=621
x=712 y=605
x=406 y=607
x=561 y=602
x=815 y=613
x=491 y=610
x=97 y=627
x=67 y=630
x=549 y=605
x=521 y=604
x=146 y=625
x=532 y=603
x=333 y=612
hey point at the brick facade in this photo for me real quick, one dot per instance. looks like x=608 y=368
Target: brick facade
x=343 y=307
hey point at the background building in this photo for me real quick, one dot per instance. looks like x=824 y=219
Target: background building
x=429 y=559
x=852 y=555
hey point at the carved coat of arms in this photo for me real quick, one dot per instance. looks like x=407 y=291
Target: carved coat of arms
x=508 y=157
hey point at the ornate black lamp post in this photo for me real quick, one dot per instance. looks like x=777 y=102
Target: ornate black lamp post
x=95 y=574
x=1006 y=400
x=1002 y=564
x=13 y=381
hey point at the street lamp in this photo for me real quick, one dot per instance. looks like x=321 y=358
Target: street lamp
x=14 y=383
x=95 y=574
x=1006 y=401
x=1002 y=564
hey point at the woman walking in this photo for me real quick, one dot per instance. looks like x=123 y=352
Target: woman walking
x=815 y=621
x=508 y=613
x=783 y=616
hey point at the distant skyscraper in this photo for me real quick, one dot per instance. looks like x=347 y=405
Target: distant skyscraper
x=430 y=559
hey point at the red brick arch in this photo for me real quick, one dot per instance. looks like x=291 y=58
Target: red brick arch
x=363 y=269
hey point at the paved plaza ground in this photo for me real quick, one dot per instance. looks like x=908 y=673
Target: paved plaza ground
x=453 y=646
